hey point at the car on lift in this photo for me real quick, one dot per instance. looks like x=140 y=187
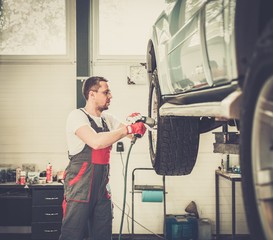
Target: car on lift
x=210 y=63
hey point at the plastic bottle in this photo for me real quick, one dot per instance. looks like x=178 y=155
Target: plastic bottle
x=49 y=177
x=23 y=178
x=18 y=175
x=204 y=229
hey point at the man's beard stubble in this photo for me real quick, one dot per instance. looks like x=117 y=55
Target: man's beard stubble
x=102 y=108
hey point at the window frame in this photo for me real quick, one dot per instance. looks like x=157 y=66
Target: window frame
x=101 y=58
x=69 y=57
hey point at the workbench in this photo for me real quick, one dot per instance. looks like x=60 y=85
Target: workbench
x=233 y=177
x=33 y=211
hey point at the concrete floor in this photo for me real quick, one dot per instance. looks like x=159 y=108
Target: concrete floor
x=126 y=237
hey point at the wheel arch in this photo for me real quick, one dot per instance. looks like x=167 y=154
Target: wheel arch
x=151 y=59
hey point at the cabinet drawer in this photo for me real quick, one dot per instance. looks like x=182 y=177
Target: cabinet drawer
x=46 y=230
x=47 y=214
x=47 y=197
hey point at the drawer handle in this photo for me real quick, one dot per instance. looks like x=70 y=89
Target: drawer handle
x=51 y=198
x=51 y=214
x=50 y=230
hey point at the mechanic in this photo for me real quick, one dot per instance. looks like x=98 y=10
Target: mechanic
x=87 y=206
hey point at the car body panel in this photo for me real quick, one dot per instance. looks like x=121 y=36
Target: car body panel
x=220 y=39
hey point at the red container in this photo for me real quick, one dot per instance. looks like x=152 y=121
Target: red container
x=49 y=177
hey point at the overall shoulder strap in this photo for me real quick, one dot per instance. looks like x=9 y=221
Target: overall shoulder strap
x=94 y=125
x=104 y=124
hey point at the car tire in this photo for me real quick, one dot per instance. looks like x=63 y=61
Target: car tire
x=174 y=142
x=256 y=146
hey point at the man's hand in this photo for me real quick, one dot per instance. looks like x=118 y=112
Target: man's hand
x=137 y=128
x=133 y=118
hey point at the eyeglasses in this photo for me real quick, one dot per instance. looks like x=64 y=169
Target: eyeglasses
x=105 y=93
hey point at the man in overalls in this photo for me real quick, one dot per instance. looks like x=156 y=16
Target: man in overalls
x=87 y=206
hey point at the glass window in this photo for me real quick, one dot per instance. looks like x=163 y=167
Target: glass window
x=124 y=25
x=33 y=27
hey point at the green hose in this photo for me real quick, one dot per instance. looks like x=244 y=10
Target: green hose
x=125 y=186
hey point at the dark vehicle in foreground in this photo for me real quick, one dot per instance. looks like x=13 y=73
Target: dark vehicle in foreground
x=210 y=62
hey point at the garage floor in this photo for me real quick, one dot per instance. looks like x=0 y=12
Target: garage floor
x=129 y=237
x=151 y=237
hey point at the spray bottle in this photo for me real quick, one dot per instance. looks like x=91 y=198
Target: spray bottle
x=49 y=177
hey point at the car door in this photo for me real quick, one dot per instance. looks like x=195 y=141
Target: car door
x=185 y=58
x=219 y=39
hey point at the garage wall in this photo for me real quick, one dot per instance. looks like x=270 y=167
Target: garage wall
x=34 y=101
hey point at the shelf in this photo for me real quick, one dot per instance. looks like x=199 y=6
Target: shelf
x=229 y=175
x=149 y=187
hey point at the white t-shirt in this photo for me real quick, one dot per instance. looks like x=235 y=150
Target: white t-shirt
x=77 y=119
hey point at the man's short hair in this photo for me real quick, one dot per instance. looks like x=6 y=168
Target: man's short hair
x=92 y=83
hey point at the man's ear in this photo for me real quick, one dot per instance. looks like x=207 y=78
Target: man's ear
x=91 y=94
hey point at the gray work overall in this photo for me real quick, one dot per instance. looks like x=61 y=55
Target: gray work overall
x=87 y=205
